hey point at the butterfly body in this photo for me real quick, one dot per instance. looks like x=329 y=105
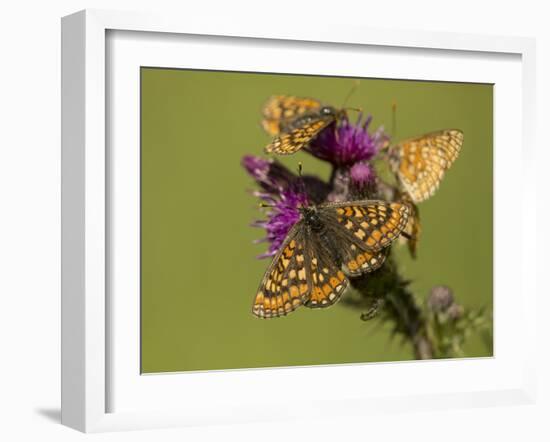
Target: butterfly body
x=330 y=243
x=315 y=226
x=295 y=122
x=312 y=219
x=326 y=112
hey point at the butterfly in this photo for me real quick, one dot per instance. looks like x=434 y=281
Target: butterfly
x=420 y=163
x=295 y=122
x=330 y=243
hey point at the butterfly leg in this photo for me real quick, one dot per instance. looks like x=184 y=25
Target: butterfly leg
x=373 y=311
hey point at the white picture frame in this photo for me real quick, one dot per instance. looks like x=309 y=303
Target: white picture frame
x=92 y=324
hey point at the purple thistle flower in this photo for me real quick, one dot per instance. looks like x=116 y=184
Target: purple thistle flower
x=273 y=178
x=283 y=214
x=271 y=175
x=362 y=175
x=346 y=144
x=284 y=193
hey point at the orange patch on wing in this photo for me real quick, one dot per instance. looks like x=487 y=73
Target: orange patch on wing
x=353 y=265
x=376 y=234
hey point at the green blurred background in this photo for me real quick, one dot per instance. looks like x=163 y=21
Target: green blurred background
x=199 y=273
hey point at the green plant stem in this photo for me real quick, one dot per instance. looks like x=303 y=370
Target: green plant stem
x=397 y=306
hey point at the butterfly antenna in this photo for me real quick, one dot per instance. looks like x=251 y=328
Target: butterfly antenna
x=393 y=119
x=388 y=142
x=356 y=109
x=301 y=178
x=350 y=93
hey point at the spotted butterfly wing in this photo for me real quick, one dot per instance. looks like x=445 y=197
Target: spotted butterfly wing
x=284 y=286
x=280 y=110
x=298 y=275
x=357 y=236
x=291 y=142
x=328 y=282
x=420 y=163
x=363 y=231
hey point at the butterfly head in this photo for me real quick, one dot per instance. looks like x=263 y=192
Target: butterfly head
x=310 y=215
x=328 y=111
x=336 y=114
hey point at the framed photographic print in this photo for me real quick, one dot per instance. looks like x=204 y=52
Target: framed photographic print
x=250 y=210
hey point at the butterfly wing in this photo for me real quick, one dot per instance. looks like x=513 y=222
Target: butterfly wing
x=363 y=230
x=358 y=261
x=413 y=228
x=420 y=163
x=328 y=282
x=290 y=142
x=285 y=285
x=280 y=110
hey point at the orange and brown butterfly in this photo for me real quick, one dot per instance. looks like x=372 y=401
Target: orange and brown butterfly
x=330 y=243
x=420 y=163
x=294 y=122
